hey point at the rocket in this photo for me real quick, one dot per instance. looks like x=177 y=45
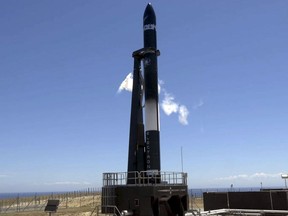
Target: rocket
x=144 y=141
x=152 y=134
x=148 y=191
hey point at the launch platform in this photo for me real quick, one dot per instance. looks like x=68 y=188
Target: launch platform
x=148 y=194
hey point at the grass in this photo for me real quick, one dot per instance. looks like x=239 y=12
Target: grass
x=78 y=206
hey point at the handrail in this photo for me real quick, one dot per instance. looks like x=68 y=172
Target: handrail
x=115 y=209
x=144 y=178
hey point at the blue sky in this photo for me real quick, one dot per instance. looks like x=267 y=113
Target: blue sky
x=62 y=122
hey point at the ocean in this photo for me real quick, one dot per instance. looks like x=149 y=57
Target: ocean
x=27 y=194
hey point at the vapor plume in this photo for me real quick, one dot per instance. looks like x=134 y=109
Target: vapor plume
x=183 y=115
x=127 y=84
x=167 y=104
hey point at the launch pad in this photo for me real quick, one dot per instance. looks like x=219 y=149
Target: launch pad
x=144 y=196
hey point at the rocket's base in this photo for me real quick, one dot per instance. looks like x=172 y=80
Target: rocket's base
x=147 y=196
x=147 y=200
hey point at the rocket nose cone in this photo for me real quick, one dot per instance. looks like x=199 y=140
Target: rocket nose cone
x=149 y=6
x=149 y=15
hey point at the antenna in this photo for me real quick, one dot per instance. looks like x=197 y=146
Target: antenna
x=182 y=158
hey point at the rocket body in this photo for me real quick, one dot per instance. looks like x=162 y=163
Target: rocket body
x=152 y=134
x=144 y=139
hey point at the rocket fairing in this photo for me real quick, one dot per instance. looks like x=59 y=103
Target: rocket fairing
x=151 y=91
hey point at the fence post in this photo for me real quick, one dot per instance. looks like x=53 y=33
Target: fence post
x=35 y=201
x=17 y=203
x=80 y=198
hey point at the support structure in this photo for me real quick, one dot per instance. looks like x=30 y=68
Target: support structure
x=144 y=197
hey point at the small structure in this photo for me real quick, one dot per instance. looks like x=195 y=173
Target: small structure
x=52 y=206
x=268 y=201
x=285 y=177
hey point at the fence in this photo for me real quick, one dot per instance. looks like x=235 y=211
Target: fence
x=85 y=198
x=90 y=197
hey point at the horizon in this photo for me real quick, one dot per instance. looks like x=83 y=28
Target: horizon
x=98 y=190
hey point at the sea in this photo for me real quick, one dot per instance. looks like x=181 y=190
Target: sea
x=195 y=192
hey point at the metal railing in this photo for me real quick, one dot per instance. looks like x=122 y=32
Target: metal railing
x=113 y=209
x=144 y=178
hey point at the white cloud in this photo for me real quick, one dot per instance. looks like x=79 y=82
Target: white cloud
x=259 y=175
x=266 y=175
x=68 y=183
x=241 y=176
x=127 y=83
x=3 y=176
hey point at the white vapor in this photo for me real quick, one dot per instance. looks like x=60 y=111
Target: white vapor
x=198 y=105
x=127 y=83
x=167 y=104
x=183 y=115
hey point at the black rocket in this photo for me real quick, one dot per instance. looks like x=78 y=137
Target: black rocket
x=147 y=190
x=144 y=139
x=151 y=91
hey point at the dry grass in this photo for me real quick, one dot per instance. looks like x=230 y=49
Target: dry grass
x=196 y=203
x=70 y=207
x=78 y=206
x=80 y=211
